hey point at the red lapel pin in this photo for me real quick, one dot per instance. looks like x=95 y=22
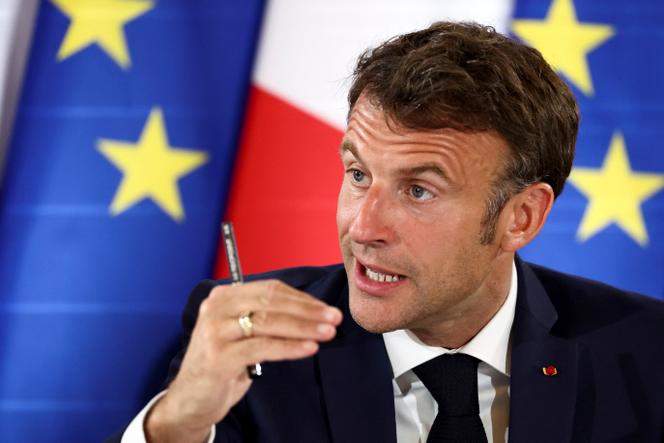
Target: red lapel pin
x=550 y=371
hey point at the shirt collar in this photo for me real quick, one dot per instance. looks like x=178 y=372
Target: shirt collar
x=490 y=345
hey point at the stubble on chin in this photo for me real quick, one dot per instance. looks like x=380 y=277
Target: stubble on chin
x=377 y=315
x=369 y=322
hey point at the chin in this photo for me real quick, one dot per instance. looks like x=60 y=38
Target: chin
x=374 y=317
x=376 y=326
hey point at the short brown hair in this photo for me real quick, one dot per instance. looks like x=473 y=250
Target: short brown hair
x=469 y=77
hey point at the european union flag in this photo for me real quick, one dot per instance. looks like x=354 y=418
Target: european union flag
x=114 y=186
x=123 y=149
x=609 y=222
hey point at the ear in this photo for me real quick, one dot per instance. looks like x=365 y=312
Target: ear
x=526 y=213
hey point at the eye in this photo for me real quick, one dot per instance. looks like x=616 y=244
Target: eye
x=357 y=175
x=420 y=193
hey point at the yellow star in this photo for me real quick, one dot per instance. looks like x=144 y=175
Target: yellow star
x=565 y=42
x=151 y=168
x=100 y=22
x=615 y=194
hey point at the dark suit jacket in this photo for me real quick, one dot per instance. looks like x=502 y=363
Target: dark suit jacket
x=605 y=343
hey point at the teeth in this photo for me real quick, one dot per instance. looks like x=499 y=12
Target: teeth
x=378 y=276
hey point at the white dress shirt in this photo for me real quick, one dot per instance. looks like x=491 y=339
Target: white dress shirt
x=414 y=406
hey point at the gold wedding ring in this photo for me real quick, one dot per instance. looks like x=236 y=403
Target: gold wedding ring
x=246 y=324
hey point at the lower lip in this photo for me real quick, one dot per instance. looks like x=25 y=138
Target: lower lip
x=373 y=287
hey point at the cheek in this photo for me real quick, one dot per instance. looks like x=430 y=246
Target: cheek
x=439 y=227
x=462 y=219
x=437 y=241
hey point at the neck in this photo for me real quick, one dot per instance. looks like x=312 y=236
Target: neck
x=471 y=315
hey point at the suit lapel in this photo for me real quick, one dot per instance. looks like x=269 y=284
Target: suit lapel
x=356 y=379
x=541 y=406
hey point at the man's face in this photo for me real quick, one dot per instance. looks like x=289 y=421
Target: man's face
x=410 y=220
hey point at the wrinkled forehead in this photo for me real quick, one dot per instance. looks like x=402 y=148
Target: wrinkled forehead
x=457 y=156
x=367 y=119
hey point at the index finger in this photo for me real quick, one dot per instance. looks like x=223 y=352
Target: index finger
x=274 y=296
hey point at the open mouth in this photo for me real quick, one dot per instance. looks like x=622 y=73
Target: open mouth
x=375 y=275
x=379 y=276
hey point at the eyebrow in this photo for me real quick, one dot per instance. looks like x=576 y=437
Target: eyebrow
x=423 y=169
x=430 y=167
x=348 y=146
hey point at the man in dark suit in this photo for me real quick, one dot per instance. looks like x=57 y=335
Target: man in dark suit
x=458 y=142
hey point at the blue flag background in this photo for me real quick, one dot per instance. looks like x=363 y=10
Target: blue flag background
x=609 y=222
x=123 y=151
x=91 y=298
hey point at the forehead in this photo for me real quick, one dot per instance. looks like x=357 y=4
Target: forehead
x=369 y=132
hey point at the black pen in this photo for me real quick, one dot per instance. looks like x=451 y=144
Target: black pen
x=233 y=260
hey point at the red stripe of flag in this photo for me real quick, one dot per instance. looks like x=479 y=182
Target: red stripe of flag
x=284 y=190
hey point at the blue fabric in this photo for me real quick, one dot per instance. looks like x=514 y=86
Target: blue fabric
x=90 y=301
x=628 y=98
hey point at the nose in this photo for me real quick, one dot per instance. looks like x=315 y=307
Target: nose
x=372 y=223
